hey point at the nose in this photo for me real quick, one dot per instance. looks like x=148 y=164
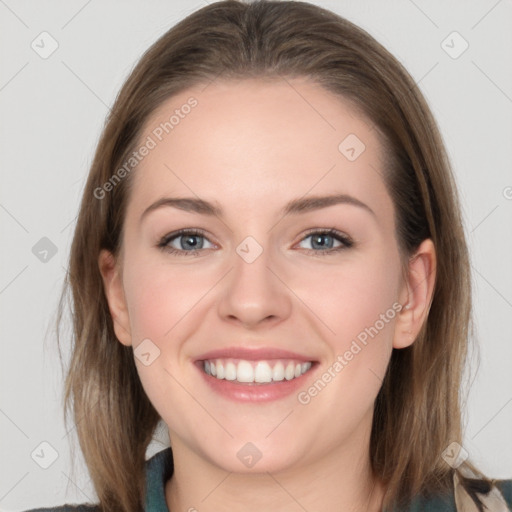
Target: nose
x=254 y=293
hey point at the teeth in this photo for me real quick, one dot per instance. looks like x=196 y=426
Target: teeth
x=289 y=373
x=221 y=372
x=278 y=371
x=255 y=371
x=263 y=372
x=230 y=371
x=245 y=372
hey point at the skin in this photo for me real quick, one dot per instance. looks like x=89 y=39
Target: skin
x=251 y=146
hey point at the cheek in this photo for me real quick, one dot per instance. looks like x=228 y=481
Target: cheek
x=159 y=296
x=353 y=296
x=359 y=304
x=161 y=302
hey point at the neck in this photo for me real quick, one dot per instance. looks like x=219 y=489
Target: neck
x=342 y=480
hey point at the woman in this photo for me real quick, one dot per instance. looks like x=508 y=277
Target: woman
x=309 y=354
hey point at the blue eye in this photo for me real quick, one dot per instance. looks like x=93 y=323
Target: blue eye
x=190 y=242
x=323 y=242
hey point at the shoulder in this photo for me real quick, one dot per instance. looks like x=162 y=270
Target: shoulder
x=505 y=487
x=159 y=468
x=497 y=499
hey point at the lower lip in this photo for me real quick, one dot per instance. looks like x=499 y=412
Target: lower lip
x=255 y=392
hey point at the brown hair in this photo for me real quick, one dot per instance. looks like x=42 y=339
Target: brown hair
x=417 y=411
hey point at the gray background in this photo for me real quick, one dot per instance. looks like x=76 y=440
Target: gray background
x=52 y=111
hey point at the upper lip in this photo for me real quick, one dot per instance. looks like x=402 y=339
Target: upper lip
x=253 y=354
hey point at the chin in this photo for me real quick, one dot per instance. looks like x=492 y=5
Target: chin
x=257 y=456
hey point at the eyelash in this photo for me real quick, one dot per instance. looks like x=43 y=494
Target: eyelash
x=341 y=237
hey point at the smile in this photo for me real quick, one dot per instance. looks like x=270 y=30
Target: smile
x=255 y=372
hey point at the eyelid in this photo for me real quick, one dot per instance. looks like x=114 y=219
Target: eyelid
x=328 y=231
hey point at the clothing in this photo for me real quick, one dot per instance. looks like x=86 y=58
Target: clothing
x=159 y=469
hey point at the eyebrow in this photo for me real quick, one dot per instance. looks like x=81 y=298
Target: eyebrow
x=296 y=206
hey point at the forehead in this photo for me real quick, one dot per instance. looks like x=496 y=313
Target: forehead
x=257 y=141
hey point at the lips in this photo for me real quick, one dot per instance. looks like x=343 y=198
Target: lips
x=253 y=375
x=253 y=354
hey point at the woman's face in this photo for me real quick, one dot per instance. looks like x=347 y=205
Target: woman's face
x=295 y=280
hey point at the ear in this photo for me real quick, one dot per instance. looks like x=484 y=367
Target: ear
x=114 y=291
x=416 y=294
